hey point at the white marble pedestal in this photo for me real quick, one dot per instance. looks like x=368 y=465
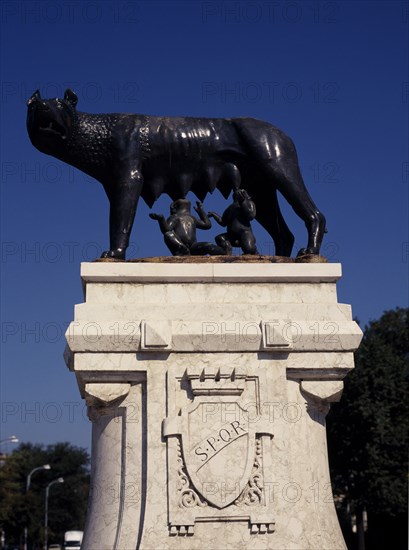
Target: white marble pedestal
x=208 y=385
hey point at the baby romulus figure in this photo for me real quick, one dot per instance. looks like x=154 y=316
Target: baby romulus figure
x=179 y=230
x=237 y=218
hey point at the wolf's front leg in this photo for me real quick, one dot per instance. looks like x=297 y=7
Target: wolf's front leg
x=123 y=200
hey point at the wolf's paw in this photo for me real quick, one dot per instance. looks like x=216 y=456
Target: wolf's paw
x=307 y=251
x=117 y=254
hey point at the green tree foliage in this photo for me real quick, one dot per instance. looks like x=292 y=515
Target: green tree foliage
x=368 y=430
x=67 y=501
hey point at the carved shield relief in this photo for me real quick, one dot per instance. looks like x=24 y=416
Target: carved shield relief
x=218 y=450
x=219 y=458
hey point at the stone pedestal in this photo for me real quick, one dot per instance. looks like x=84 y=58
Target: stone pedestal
x=208 y=385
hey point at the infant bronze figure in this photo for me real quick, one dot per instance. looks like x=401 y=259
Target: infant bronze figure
x=179 y=230
x=139 y=155
x=237 y=218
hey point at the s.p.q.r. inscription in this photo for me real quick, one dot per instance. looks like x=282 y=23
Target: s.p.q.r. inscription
x=219 y=439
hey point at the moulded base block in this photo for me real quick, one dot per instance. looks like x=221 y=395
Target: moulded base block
x=208 y=387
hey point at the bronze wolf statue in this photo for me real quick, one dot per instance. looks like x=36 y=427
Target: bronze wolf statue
x=138 y=155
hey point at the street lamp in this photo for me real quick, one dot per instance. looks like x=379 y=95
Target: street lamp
x=59 y=480
x=11 y=439
x=44 y=467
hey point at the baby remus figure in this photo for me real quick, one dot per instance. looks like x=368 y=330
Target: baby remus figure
x=179 y=230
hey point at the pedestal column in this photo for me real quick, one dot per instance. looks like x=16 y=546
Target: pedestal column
x=208 y=386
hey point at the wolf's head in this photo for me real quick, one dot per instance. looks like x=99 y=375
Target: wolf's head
x=51 y=122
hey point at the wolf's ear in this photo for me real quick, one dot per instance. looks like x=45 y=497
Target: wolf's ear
x=35 y=97
x=71 y=97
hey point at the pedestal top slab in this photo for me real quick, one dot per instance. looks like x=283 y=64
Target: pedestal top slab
x=97 y=272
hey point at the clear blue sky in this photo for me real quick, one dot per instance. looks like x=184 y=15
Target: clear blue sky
x=333 y=75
